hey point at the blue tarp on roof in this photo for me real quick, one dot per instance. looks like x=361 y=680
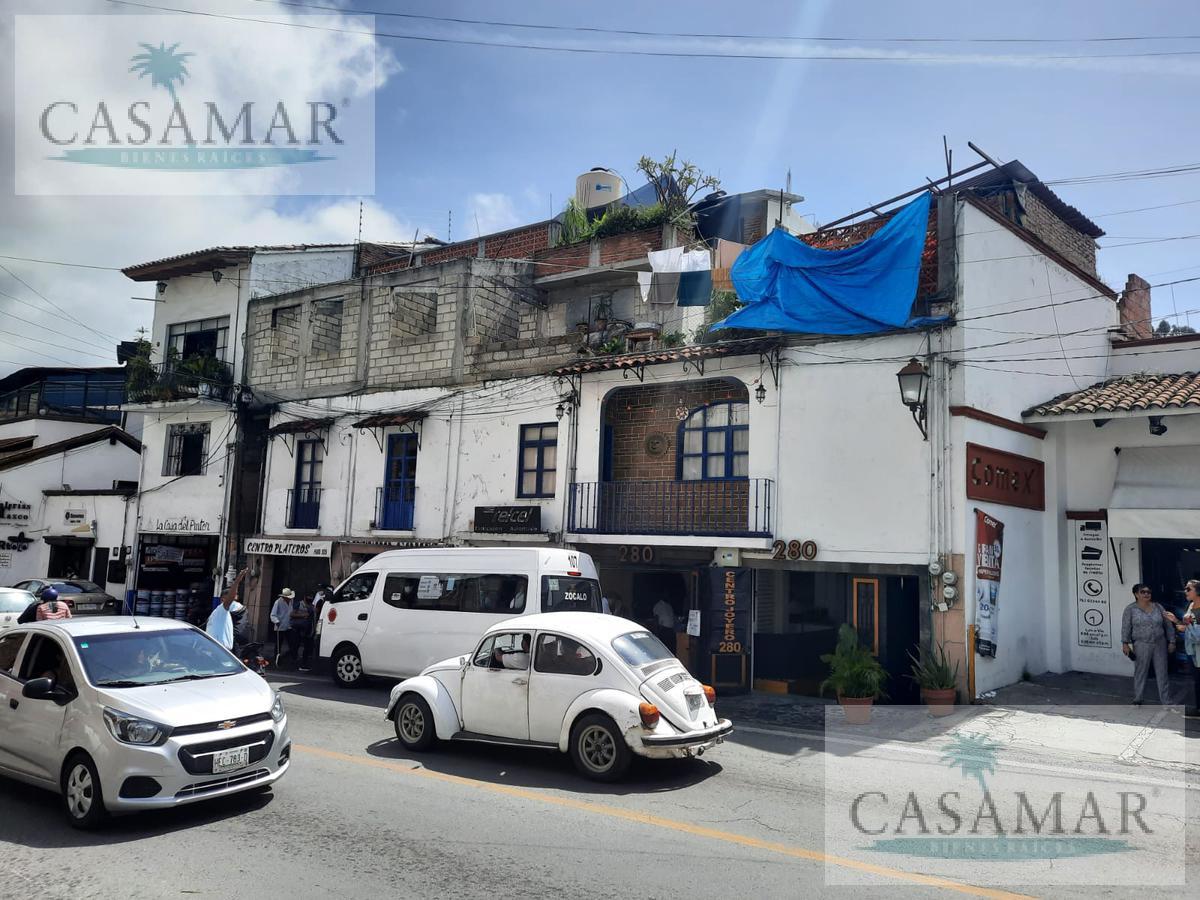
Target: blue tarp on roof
x=792 y=287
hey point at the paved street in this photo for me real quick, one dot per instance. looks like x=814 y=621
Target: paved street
x=358 y=817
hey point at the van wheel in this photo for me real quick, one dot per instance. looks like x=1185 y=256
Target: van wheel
x=347 y=666
x=598 y=748
x=414 y=723
x=83 y=800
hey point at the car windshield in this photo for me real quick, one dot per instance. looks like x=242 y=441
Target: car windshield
x=136 y=658
x=14 y=601
x=77 y=587
x=638 y=648
x=568 y=594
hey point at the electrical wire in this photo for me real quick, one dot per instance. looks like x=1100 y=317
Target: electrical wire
x=617 y=51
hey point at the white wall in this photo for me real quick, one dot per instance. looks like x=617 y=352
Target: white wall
x=1014 y=358
x=92 y=467
x=283 y=271
x=170 y=498
x=108 y=514
x=192 y=297
x=467 y=458
x=1170 y=358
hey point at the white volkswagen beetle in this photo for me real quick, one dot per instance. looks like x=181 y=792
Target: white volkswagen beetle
x=596 y=686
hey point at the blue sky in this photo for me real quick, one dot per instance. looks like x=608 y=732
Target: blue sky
x=495 y=133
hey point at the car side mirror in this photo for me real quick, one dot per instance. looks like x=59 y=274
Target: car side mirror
x=38 y=689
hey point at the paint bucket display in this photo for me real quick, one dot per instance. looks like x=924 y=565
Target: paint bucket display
x=156 y=603
x=182 y=598
x=142 y=604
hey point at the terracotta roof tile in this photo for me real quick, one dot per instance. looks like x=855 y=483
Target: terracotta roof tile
x=1129 y=393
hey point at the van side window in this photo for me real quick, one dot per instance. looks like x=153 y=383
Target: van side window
x=359 y=587
x=10 y=646
x=457 y=593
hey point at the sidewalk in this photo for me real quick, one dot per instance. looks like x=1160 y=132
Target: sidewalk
x=1086 y=719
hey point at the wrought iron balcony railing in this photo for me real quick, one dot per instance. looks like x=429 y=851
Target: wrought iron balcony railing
x=735 y=507
x=394 y=508
x=304 y=507
x=195 y=378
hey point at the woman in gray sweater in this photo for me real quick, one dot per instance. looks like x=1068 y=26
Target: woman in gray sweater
x=1147 y=638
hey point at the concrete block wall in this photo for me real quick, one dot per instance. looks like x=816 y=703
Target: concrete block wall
x=333 y=356
x=326 y=327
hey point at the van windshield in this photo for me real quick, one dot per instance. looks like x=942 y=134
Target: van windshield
x=562 y=593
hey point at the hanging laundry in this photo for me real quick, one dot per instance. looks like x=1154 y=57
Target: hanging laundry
x=644 y=285
x=695 y=288
x=668 y=267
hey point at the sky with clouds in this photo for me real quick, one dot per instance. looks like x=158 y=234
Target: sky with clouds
x=474 y=134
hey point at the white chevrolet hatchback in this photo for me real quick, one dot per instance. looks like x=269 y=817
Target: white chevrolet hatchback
x=118 y=714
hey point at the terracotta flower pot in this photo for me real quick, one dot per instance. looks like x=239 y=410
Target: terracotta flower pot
x=857 y=709
x=940 y=700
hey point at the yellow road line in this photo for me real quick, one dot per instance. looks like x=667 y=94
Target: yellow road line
x=615 y=812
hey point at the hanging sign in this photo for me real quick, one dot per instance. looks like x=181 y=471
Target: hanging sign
x=1000 y=477
x=508 y=519
x=989 y=551
x=1091 y=584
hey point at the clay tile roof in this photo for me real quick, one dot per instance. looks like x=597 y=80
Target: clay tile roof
x=385 y=420
x=301 y=426
x=1129 y=393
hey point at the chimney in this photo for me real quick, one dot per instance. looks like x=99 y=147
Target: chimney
x=1134 y=305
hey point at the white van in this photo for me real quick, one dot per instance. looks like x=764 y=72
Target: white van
x=405 y=609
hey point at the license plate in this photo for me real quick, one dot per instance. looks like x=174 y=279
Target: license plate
x=228 y=760
x=695 y=701
x=87 y=607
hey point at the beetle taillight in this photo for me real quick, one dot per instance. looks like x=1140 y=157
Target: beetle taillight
x=333 y=615
x=649 y=714
x=710 y=694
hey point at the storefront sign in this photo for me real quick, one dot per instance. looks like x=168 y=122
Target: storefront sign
x=74 y=516
x=320 y=549
x=730 y=598
x=14 y=511
x=999 y=477
x=164 y=553
x=508 y=519
x=181 y=525
x=1091 y=584
x=16 y=542
x=989 y=553
x=5 y=559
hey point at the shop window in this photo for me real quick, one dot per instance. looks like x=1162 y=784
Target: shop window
x=866 y=612
x=538 y=460
x=187 y=449
x=714 y=443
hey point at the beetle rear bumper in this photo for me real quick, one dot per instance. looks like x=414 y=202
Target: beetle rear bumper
x=689 y=744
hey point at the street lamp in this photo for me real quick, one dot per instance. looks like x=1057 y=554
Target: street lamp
x=760 y=392
x=914 y=385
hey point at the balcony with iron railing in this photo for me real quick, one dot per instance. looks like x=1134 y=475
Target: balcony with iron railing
x=394 y=505
x=734 y=507
x=304 y=507
x=193 y=378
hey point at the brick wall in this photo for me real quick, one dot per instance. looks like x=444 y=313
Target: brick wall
x=635 y=413
x=517 y=243
x=326 y=327
x=1136 y=321
x=1044 y=224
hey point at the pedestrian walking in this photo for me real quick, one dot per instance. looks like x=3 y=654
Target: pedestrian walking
x=51 y=607
x=1147 y=637
x=281 y=618
x=302 y=623
x=1189 y=627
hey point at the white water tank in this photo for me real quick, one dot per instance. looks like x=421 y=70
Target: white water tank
x=597 y=187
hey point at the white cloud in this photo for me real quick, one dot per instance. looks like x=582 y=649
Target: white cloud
x=488 y=213
x=117 y=231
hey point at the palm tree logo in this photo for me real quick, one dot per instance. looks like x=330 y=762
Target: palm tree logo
x=163 y=65
x=974 y=754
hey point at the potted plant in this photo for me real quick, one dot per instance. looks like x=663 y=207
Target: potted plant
x=855 y=676
x=936 y=679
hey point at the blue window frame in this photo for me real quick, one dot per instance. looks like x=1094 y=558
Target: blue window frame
x=537 y=460
x=714 y=443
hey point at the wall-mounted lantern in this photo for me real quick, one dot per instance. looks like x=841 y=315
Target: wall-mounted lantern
x=914 y=385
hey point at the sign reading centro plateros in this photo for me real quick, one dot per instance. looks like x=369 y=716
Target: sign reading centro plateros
x=320 y=549
x=1000 y=477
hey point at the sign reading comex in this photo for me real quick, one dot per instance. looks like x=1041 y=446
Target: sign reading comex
x=289 y=548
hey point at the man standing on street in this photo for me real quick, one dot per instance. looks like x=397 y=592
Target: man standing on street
x=281 y=618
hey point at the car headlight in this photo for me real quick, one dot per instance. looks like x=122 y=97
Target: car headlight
x=277 y=708
x=133 y=729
